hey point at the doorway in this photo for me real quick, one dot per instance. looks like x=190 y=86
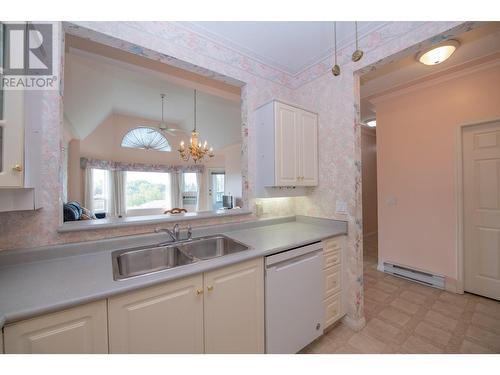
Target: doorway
x=369 y=192
x=481 y=208
x=216 y=188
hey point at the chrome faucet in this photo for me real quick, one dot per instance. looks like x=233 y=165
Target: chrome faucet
x=174 y=235
x=175 y=232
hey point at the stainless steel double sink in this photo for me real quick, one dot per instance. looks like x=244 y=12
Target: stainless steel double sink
x=129 y=263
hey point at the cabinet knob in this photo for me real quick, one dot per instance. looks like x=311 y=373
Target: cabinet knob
x=199 y=292
x=17 y=168
x=210 y=288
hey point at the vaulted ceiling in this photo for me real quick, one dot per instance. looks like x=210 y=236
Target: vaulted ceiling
x=98 y=86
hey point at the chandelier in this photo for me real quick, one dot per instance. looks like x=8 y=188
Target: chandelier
x=195 y=150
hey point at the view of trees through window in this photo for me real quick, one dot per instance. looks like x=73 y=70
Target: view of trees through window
x=147 y=190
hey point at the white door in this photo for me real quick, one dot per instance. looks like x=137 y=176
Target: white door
x=167 y=318
x=234 y=308
x=481 y=183
x=216 y=188
x=286 y=162
x=308 y=149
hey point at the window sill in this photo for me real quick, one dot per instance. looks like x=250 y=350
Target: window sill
x=84 y=225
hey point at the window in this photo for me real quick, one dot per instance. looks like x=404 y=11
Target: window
x=190 y=191
x=147 y=192
x=100 y=190
x=146 y=139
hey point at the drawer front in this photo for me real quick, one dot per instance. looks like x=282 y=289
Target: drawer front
x=334 y=244
x=332 y=258
x=333 y=310
x=333 y=280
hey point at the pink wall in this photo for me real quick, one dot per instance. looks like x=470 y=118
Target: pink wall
x=369 y=177
x=417 y=155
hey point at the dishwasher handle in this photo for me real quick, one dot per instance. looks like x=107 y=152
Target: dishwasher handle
x=294 y=253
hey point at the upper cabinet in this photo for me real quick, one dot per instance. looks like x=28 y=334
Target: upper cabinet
x=287 y=147
x=11 y=139
x=20 y=150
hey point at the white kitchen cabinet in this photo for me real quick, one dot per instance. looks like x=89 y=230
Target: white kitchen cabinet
x=333 y=249
x=234 y=308
x=308 y=148
x=287 y=147
x=221 y=311
x=20 y=150
x=167 y=318
x=12 y=139
x=82 y=329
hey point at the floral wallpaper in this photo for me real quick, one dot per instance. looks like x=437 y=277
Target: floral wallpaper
x=334 y=98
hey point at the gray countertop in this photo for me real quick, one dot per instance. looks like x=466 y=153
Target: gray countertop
x=37 y=281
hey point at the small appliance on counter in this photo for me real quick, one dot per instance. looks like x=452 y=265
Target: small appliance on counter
x=227 y=201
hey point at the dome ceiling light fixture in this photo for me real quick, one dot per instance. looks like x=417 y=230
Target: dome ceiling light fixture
x=438 y=53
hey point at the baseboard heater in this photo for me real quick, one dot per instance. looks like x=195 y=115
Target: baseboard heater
x=418 y=276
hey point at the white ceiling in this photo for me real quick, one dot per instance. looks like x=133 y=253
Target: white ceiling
x=96 y=87
x=288 y=46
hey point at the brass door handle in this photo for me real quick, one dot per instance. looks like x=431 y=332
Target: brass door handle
x=17 y=168
x=199 y=292
x=210 y=288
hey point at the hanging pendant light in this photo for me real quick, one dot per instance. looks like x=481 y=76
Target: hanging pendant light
x=195 y=150
x=336 y=68
x=358 y=54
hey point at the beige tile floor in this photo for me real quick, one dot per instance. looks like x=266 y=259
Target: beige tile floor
x=406 y=317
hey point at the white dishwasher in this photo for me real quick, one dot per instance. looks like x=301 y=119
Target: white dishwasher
x=294 y=298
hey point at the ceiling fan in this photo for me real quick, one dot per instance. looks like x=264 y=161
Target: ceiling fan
x=163 y=127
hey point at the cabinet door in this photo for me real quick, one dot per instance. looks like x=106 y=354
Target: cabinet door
x=79 y=330
x=234 y=309
x=286 y=155
x=162 y=319
x=308 y=149
x=12 y=139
